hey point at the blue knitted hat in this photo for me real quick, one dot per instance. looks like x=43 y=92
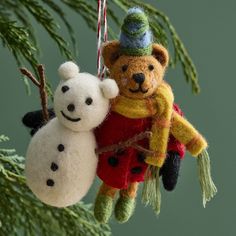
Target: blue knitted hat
x=135 y=37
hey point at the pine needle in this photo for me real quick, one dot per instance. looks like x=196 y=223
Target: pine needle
x=17 y=33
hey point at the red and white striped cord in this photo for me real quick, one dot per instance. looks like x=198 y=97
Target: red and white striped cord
x=102 y=20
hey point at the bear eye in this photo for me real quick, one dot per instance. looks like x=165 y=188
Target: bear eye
x=124 y=68
x=151 y=67
x=64 y=88
x=89 y=101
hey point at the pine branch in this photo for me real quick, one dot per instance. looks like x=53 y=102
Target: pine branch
x=22 y=213
x=17 y=40
x=85 y=9
x=17 y=32
x=58 y=10
x=43 y=17
x=41 y=84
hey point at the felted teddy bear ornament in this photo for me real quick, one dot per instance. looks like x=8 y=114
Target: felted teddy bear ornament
x=145 y=103
x=61 y=161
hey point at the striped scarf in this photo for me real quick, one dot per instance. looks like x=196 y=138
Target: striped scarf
x=159 y=107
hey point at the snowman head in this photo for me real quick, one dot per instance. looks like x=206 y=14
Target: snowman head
x=81 y=100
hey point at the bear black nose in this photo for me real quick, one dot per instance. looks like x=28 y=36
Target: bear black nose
x=139 y=78
x=71 y=107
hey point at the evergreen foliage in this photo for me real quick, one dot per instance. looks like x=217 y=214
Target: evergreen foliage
x=16 y=31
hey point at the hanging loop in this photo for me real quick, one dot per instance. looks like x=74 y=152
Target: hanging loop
x=101 y=25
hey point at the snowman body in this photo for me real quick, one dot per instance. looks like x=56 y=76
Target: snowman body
x=61 y=164
x=61 y=161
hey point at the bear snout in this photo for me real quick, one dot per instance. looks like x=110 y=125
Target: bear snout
x=139 y=78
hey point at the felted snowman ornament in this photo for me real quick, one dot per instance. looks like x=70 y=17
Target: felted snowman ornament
x=61 y=161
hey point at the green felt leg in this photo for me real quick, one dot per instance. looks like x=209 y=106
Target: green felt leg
x=103 y=208
x=124 y=208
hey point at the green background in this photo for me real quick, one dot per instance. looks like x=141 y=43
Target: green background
x=207 y=28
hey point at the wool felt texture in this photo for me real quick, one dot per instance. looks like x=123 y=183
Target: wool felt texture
x=68 y=70
x=174 y=145
x=104 y=203
x=151 y=194
x=125 y=204
x=76 y=164
x=103 y=208
x=83 y=86
x=184 y=132
x=124 y=208
x=34 y=120
x=136 y=37
x=159 y=108
x=152 y=78
x=170 y=171
x=139 y=74
x=208 y=187
x=61 y=161
x=119 y=168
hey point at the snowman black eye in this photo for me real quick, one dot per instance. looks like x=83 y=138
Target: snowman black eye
x=64 y=88
x=151 y=67
x=89 y=101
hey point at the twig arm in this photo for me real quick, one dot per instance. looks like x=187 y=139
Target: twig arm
x=28 y=74
x=43 y=93
x=132 y=142
x=42 y=88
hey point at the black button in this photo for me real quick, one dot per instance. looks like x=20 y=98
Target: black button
x=50 y=182
x=121 y=152
x=136 y=170
x=113 y=161
x=60 y=147
x=141 y=157
x=54 y=166
x=89 y=101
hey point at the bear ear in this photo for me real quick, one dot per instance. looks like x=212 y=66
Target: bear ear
x=161 y=54
x=68 y=70
x=110 y=52
x=109 y=88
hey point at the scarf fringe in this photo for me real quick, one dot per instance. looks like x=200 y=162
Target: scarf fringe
x=208 y=187
x=151 y=194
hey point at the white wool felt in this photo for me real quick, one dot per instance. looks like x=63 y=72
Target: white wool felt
x=68 y=70
x=82 y=87
x=109 y=88
x=76 y=164
x=61 y=161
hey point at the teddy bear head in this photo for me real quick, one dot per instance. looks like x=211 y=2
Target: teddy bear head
x=135 y=62
x=81 y=100
x=136 y=76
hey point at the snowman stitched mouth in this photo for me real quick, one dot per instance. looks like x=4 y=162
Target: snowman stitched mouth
x=69 y=118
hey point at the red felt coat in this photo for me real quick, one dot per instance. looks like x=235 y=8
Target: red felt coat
x=126 y=166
